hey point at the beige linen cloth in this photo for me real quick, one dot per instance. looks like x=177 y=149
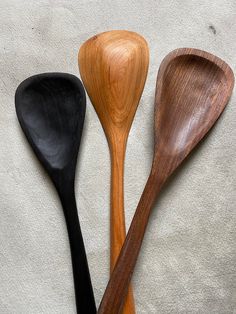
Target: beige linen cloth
x=188 y=259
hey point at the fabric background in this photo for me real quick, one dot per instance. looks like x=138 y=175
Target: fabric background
x=188 y=259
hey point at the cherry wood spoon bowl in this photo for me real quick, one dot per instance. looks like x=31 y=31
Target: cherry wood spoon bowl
x=113 y=66
x=193 y=88
x=51 y=109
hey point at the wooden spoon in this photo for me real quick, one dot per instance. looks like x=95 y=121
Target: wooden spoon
x=193 y=88
x=51 y=109
x=113 y=66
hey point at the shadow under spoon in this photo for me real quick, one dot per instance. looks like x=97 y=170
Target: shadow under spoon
x=193 y=88
x=51 y=109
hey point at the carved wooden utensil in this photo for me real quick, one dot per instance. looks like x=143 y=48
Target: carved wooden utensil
x=193 y=88
x=51 y=109
x=113 y=66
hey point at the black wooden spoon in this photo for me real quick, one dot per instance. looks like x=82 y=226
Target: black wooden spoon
x=51 y=109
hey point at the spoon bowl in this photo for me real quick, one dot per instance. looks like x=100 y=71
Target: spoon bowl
x=189 y=82
x=44 y=105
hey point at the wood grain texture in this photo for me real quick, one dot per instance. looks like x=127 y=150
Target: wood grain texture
x=113 y=67
x=193 y=88
x=51 y=110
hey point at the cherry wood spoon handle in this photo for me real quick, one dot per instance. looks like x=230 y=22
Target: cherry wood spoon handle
x=117 y=218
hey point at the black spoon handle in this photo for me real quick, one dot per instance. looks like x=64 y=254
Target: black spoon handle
x=85 y=302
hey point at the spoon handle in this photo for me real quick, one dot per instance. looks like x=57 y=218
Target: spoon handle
x=117 y=287
x=117 y=217
x=85 y=302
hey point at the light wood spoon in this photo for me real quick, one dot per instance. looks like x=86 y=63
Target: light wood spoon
x=193 y=88
x=113 y=66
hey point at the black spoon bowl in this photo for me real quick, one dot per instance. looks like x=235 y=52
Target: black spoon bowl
x=51 y=109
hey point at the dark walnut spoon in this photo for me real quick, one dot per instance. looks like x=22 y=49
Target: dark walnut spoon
x=51 y=110
x=193 y=88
